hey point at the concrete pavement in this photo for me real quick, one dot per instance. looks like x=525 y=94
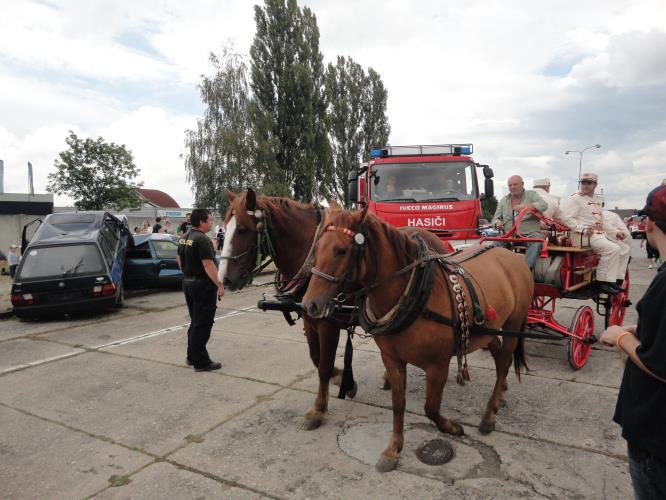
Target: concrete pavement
x=106 y=407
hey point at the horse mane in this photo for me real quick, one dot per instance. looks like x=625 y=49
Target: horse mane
x=278 y=206
x=404 y=248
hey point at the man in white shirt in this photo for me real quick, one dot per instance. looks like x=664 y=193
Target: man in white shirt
x=542 y=187
x=582 y=212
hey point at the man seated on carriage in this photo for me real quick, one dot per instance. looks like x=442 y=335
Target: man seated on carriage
x=542 y=188
x=583 y=213
x=508 y=209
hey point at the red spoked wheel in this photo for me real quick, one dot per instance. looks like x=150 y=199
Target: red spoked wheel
x=582 y=326
x=616 y=307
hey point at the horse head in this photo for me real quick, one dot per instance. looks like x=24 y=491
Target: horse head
x=339 y=264
x=243 y=249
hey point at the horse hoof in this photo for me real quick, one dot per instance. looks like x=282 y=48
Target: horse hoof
x=486 y=427
x=310 y=424
x=387 y=385
x=386 y=464
x=457 y=430
x=351 y=393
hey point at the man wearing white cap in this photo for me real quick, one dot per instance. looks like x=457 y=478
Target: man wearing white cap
x=542 y=187
x=583 y=213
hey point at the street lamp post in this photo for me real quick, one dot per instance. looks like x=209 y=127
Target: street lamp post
x=580 y=158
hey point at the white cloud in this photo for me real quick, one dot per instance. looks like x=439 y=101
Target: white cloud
x=523 y=80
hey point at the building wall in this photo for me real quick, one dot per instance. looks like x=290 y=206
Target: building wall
x=18 y=209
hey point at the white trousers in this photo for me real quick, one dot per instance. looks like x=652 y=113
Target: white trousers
x=609 y=252
x=625 y=253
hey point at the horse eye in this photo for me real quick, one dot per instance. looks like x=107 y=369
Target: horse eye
x=340 y=251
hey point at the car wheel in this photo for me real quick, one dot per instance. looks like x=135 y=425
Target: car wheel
x=120 y=298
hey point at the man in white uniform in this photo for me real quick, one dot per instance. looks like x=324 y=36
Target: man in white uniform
x=617 y=232
x=582 y=212
x=542 y=187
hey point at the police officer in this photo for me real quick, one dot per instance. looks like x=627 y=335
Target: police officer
x=196 y=258
x=583 y=213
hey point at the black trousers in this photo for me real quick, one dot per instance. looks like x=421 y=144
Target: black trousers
x=201 y=298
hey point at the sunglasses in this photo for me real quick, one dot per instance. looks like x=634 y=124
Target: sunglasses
x=588 y=182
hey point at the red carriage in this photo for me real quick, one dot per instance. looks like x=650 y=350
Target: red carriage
x=566 y=271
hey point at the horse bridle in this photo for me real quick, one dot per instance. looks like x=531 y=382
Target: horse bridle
x=263 y=237
x=359 y=244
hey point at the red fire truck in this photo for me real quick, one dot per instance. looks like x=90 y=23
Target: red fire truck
x=429 y=186
x=636 y=226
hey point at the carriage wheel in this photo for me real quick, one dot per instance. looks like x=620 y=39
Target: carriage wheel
x=616 y=306
x=583 y=326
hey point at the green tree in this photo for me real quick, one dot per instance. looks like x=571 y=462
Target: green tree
x=220 y=151
x=288 y=112
x=357 y=117
x=488 y=207
x=96 y=174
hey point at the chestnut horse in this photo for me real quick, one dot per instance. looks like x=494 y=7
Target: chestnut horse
x=351 y=248
x=291 y=227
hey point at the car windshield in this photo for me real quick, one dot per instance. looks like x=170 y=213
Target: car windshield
x=423 y=182
x=66 y=260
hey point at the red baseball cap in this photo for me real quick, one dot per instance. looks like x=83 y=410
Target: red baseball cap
x=655 y=204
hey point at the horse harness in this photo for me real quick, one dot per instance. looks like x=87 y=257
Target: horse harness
x=412 y=303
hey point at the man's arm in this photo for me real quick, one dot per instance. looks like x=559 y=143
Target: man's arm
x=211 y=270
x=568 y=215
x=178 y=261
x=533 y=200
x=629 y=344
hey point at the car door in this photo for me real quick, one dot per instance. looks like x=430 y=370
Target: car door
x=141 y=270
x=168 y=272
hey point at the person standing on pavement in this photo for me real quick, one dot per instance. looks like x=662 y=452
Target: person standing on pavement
x=511 y=205
x=185 y=225
x=13 y=260
x=641 y=402
x=196 y=258
x=157 y=227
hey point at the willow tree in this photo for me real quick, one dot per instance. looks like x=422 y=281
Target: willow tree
x=219 y=152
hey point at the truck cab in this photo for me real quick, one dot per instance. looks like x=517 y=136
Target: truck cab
x=430 y=186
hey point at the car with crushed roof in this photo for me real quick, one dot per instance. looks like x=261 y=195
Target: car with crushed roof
x=73 y=264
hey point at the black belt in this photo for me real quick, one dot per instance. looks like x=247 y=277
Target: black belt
x=196 y=278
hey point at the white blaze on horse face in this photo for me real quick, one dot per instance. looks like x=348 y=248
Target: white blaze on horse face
x=230 y=229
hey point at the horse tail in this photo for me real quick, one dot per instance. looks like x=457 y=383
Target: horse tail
x=519 y=359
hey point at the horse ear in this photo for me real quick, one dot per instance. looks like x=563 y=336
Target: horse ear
x=334 y=205
x=231 y=196
x=361 y=215
x=251 y=200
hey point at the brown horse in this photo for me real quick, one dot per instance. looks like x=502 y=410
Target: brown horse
x=351 y=248
x=291 y=228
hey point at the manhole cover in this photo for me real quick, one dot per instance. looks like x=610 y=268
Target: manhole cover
x=434 y=452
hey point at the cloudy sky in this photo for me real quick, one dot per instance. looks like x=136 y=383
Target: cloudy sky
x=522 y=80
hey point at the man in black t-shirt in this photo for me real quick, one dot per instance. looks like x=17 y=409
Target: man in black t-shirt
x=185 y=225
x=196 y=258
x=157 y=227
x=641 y=403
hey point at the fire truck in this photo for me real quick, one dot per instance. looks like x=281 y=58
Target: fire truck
x=636 y=226
x=430 y=186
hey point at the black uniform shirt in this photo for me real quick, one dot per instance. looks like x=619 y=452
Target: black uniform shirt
x=641 y=404
x=194 y=247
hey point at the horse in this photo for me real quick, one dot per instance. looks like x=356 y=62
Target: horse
x=289 y=229
x=351 y=250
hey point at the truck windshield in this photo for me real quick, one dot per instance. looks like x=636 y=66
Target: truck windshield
x=62 y=261
x=423 y=182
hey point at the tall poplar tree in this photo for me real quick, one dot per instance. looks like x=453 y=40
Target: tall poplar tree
x=288 y=112
x=357 y=117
